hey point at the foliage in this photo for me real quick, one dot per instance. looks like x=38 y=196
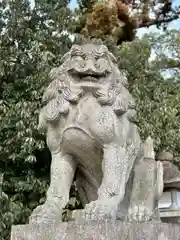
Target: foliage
x=158 y=111
x=86 y=5
x=102 y=20
x=166 y=47
x=120 y=19
x=99 y=23
x=32 y=41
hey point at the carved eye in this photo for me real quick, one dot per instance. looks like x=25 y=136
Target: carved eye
x=78 y=58
x=97 y=65
x=101 y=62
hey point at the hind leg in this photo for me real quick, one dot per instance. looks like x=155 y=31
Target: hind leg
x=87 y=186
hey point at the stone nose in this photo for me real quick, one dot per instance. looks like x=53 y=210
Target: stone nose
x=89 y=65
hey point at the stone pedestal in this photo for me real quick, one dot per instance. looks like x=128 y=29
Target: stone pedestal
x=99 y=230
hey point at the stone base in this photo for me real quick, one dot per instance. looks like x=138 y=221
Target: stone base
x=98 y=230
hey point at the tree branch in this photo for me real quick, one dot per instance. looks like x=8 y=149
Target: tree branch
x=157 y=22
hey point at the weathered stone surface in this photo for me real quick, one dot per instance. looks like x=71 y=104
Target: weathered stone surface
x=169 y=201
x=171 y=173
x=164 y=156
x=100 y=230
x=88 y=117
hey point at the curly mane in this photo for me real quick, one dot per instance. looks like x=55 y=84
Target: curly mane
x=61 y=92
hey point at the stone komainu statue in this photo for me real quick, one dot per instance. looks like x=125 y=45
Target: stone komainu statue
x=88 y=120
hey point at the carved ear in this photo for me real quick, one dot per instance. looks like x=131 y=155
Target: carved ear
x=124 y=78
x=121 y=77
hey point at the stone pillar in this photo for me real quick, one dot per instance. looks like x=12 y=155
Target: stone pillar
x=169 y=204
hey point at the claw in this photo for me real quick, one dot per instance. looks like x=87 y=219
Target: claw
x=139 y=213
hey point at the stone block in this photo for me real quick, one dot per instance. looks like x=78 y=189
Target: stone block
x=98 y=230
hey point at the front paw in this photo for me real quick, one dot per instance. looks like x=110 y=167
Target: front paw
x=46 y=213
x=101 y=209
x=139 y=213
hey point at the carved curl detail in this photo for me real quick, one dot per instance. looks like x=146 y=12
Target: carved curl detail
x=68 y=85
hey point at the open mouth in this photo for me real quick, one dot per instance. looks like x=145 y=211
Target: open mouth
x=90 y=78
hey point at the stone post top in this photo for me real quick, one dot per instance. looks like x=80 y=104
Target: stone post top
x=165 y=156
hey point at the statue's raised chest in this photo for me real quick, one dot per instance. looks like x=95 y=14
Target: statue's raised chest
x=96 y=120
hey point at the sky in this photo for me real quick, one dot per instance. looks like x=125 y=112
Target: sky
x=74 y=3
